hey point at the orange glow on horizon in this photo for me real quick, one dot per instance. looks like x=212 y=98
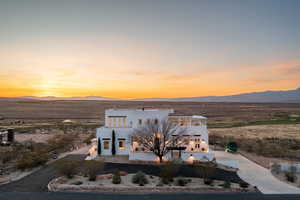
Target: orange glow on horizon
x=137 y=78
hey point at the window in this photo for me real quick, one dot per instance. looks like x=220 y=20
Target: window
x=109 y=122
x=156 y=121
x=119 y=122
x=124 y=122
x=197 y=146
x=114 y=122
x=122 y=144
x=140 y=122
x=106 y=145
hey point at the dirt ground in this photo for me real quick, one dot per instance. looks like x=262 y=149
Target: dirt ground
x=216 y=112
x=40 y=138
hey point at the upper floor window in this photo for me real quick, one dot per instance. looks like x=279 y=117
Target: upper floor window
x=117 y=121
x=156 y=121
x=140 y=122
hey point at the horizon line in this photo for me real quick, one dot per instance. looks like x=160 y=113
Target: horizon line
x=30 y=96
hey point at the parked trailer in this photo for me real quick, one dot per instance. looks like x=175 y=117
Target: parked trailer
x=7 y=136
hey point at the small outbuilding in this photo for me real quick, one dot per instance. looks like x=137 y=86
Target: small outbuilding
x=7 y=136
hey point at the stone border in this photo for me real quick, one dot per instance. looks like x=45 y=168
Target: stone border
x=53 y=187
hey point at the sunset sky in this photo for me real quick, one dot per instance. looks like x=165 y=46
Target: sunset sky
x=138 y=49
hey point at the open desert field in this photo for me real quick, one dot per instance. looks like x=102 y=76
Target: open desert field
x=219 y=114
x=288 y=131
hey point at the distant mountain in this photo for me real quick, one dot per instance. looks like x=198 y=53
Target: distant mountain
x=288 y=96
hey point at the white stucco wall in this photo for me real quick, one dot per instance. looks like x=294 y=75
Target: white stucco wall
x=120 y=133
x=132 y=119
x=133 y=115
x=185 y=156
x=201 y=156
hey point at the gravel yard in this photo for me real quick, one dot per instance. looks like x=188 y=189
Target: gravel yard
x=104 y=183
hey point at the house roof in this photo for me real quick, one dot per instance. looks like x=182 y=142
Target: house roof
x=185 y=115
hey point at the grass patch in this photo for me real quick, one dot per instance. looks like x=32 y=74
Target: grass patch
x=254 y=123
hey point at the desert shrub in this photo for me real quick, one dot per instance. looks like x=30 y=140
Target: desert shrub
x=159 y=184
x=226 y=184
x=290 y=177
x=275 y=168
x=168 y=172
x=63 y=142
x=243 y=184
x=182 y=181
x=32 y=159
x=77 y=183
x=208 y=181
x=68 y=168
x=205 y=172
x=116 y=179
x=140 y=178
x=91 y=167
x=8 y=156
x=88 y=139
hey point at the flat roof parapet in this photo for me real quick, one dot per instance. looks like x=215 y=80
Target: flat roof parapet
x=138 y=109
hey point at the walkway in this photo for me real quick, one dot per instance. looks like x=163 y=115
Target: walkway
x=257 y=175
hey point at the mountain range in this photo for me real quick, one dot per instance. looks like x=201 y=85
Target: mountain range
x=286 y=96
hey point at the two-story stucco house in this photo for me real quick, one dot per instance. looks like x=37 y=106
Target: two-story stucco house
x=124 y=121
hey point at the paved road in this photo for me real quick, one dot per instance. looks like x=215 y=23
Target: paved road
x=185 y=196
x=257 y=175
x=38 y=180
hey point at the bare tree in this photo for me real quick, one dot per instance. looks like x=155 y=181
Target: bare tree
x=156 y=136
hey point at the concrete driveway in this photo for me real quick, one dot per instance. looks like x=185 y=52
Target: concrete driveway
x=257 y=175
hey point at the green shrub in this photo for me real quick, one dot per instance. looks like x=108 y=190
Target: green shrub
x=168 y=172
x=232 y=146
x=116 y=179
x=68 y=168
x=91 y=167
x=140 y=178
x=113 y=143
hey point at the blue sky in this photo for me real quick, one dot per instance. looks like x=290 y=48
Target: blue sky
x=148 y=48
